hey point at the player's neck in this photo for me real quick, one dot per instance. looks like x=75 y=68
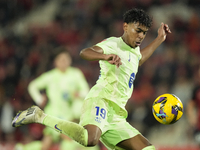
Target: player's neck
x=125 y=40
x=62 y=70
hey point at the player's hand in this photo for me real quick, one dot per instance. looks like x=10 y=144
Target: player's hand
x=163 y=31
x=44 y=101
x=114 y=59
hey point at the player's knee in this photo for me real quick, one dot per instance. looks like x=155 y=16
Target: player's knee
x=92 y=142
x=94 y=134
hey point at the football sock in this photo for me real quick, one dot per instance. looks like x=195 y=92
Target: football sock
x=71 y=129
x=149 y=148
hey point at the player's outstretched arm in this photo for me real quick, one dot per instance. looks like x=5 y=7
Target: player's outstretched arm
x=96 y=53
x=92 y=53
x=148 y=51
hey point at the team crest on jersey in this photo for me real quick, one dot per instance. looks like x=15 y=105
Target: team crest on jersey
x=132 y=78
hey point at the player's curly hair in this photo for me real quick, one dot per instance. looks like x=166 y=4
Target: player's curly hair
x=137 y=15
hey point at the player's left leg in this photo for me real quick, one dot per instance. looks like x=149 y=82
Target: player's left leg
x=35 y=115
x=137 y=142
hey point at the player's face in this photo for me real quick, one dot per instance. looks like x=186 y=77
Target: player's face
x=134 y=34
x=62 y=61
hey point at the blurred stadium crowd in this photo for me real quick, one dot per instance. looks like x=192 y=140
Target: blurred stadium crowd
x=76 y=24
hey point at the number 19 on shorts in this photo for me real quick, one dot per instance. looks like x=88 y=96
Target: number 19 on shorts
x=100 y=114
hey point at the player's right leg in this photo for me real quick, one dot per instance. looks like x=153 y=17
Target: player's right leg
x=73 y=130
x=137 y=142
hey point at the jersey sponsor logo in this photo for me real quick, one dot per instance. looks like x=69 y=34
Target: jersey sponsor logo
x=132 y=78
x=100 y=114
x=57 y=128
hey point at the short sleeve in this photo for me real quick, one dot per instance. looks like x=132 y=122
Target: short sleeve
x=107 y=45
